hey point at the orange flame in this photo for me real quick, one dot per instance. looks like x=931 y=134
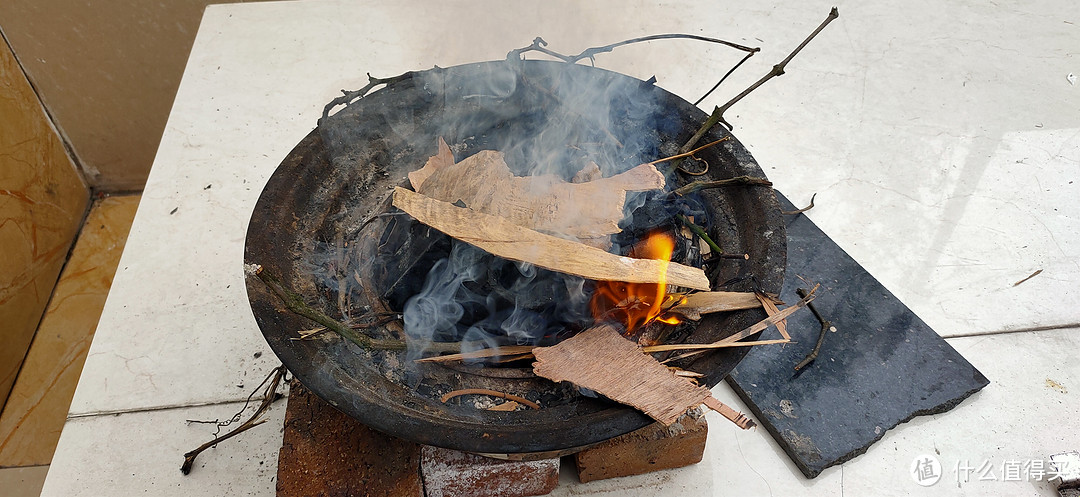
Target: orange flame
x=636 y=304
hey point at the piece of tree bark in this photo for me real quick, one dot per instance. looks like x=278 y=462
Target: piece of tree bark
x=700 y=303
x=772 y=310
x=590 y=172
x=601 y=360
x=510 y=241
x=547 y=203
x=444 y=157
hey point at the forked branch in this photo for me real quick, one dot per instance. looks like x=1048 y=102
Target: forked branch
x=539 y=45
x=717 y=115
x=348 y=96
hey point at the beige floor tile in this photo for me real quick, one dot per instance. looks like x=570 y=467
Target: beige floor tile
x=31 y=422
x=23 y=482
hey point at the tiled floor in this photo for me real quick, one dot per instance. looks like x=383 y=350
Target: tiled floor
x=23 y=482
x=933 y=144
x=35 y=413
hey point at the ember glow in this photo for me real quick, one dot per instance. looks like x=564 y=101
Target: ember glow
x=637 y=304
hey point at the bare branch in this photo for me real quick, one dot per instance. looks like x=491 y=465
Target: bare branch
x=538 y=45
x=348 y=96
x=717 y=115
x=269 y=396
x=804 y=209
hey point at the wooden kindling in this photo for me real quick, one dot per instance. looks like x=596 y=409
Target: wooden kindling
x=776 y=317
x=510 y=241
x=696 y=304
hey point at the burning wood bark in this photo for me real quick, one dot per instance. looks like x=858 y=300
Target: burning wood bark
x=601 y=360
x=505 y=214
x=511 y=241
x=696 y=304
x=584 y=210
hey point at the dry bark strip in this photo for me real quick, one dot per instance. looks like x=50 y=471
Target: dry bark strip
x=601 y=360
x=510 y=241
x=700 y=303
x=444 y=158
x=749 y=330
x=772 y=310
x=547 y=203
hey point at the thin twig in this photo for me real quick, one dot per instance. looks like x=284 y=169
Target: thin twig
x=687 y=154
x=269 y=396
x=481 y=353
x=239 y=414
x=756 y=327
x=538 y=45
x=725 y=77
x=717 y=115
x=740 y=257
x=701 y=347
x=708 y=346
x=701 y=185
x=297 y=305
x=804 y=209
x=825 y=325
x=493 y=393
x=1036 y=273
x=379 y=320
x=348 y=96
x=699 y=231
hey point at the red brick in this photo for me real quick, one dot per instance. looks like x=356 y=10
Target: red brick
x=451 y=473
x=649 y=449
x=328 y=453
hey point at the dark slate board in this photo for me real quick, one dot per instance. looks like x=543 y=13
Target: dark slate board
x=882 y=366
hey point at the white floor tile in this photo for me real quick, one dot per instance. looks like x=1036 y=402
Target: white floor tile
x=141 y=454
x=940 y=144
x=940 y=152
x=943 y=156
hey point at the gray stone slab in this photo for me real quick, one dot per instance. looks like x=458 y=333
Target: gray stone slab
x=880 y=367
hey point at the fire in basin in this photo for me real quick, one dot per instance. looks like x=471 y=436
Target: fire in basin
x=478 y=233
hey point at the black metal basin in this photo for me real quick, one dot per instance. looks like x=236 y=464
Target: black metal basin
x=337 y=178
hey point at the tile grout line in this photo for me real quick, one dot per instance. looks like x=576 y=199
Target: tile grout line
x=245 y=399
x=133 y=410
x=1014 y=330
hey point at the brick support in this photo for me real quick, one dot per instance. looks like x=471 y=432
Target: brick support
x=451 y=473
x=649 y=449
x=327 y=453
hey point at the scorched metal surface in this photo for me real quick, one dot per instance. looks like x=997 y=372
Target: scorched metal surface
x=339 y=176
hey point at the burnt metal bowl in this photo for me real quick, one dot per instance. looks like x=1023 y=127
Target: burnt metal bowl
x=324 y=196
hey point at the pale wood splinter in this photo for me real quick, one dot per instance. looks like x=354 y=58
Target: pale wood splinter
x=510 y=241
